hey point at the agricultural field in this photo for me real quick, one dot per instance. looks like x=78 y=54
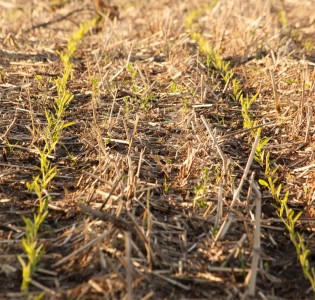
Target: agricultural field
x=157 y=149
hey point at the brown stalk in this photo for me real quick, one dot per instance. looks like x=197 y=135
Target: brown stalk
x=128 y=248
x=82 y=248
x=275 y=91
x=214 y=139
x=230 y=217
x=252 y=274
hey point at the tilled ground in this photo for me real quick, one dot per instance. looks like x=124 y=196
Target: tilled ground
x=135 y=202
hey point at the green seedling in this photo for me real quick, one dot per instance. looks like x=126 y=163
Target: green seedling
x=260 y=152
x=166 y=185
x=220 y=67
x=282 y=17
x=39 y=80
x=129 y=104
x=146 y=101
x=289 y=218
x=51 y=136
x=291 y=81
x=184 y=109
x=202 y=189
x=132 y=71
x=308 y=45
x=237 y=90
x=175 y=87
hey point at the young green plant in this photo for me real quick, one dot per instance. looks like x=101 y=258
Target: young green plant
x=222 y=68
x=47 y=171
